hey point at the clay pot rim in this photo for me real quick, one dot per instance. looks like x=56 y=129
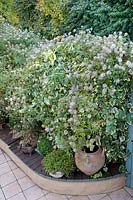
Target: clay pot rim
x=100 y=149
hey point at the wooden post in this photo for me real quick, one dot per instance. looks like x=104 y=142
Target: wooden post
x=129 y=163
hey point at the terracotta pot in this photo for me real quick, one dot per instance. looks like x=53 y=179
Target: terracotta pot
x=90 y=163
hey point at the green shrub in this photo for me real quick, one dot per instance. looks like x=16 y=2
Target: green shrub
x=56 y=11
x=8 y=12
x=44 y=145
x=77 y=88
x=4 y=79
x=42 y=16
x=59 y=161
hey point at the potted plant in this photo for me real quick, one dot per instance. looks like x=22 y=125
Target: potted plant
x=59 y=163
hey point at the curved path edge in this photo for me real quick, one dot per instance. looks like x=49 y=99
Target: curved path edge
x=68 y=187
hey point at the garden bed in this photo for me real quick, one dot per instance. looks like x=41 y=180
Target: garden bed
x=78 y=183
x=67 y=96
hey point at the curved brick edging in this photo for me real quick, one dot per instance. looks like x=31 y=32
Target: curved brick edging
x=69 y=187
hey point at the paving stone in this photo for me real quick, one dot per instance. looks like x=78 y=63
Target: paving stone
x=1 y=151
x=129 y=190
x=25 y=183
x=43 y=198
x=7 y=178
x=106 y=198
x=11 y=189
x=69 y=196
x=79 y=198
x=18 y=173
x=4 y=168
x=19 y=196
x=53 y=196
x=1 y=195
x=12 y=165
x=2 y=159
x=7 y=157
x=96 y=197
x=45 y=192
x=33 y=193
x=120 y=195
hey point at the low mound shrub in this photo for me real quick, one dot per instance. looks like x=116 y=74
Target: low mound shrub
x=59 y=161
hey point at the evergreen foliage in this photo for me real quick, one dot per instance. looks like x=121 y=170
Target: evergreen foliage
x=104 y=17
x=51 y=18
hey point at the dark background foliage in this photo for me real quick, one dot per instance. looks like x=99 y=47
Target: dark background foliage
x=104 y=17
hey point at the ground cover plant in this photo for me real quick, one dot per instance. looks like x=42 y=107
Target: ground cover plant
x=75 y=89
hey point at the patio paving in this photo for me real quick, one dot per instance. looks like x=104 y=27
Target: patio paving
x=16 y=185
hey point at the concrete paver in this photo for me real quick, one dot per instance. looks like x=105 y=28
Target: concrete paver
x=12 y=165
x=2 y=159
x=1 y=152
x=25 y=183
x=120 y=195
x=52 y=196
x=18 y=173
x=33 y=193
x=19 y=196
x=7 y=157
x=1 y=195
x=11 y=189
x=130 y=191
x=4 y=168
x=7 y=178
x=106 y=198
x=79 y=198
x=16 y=185
x=96 y=197
x=43 y=198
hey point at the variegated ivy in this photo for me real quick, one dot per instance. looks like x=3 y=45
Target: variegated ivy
x=78 y=87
